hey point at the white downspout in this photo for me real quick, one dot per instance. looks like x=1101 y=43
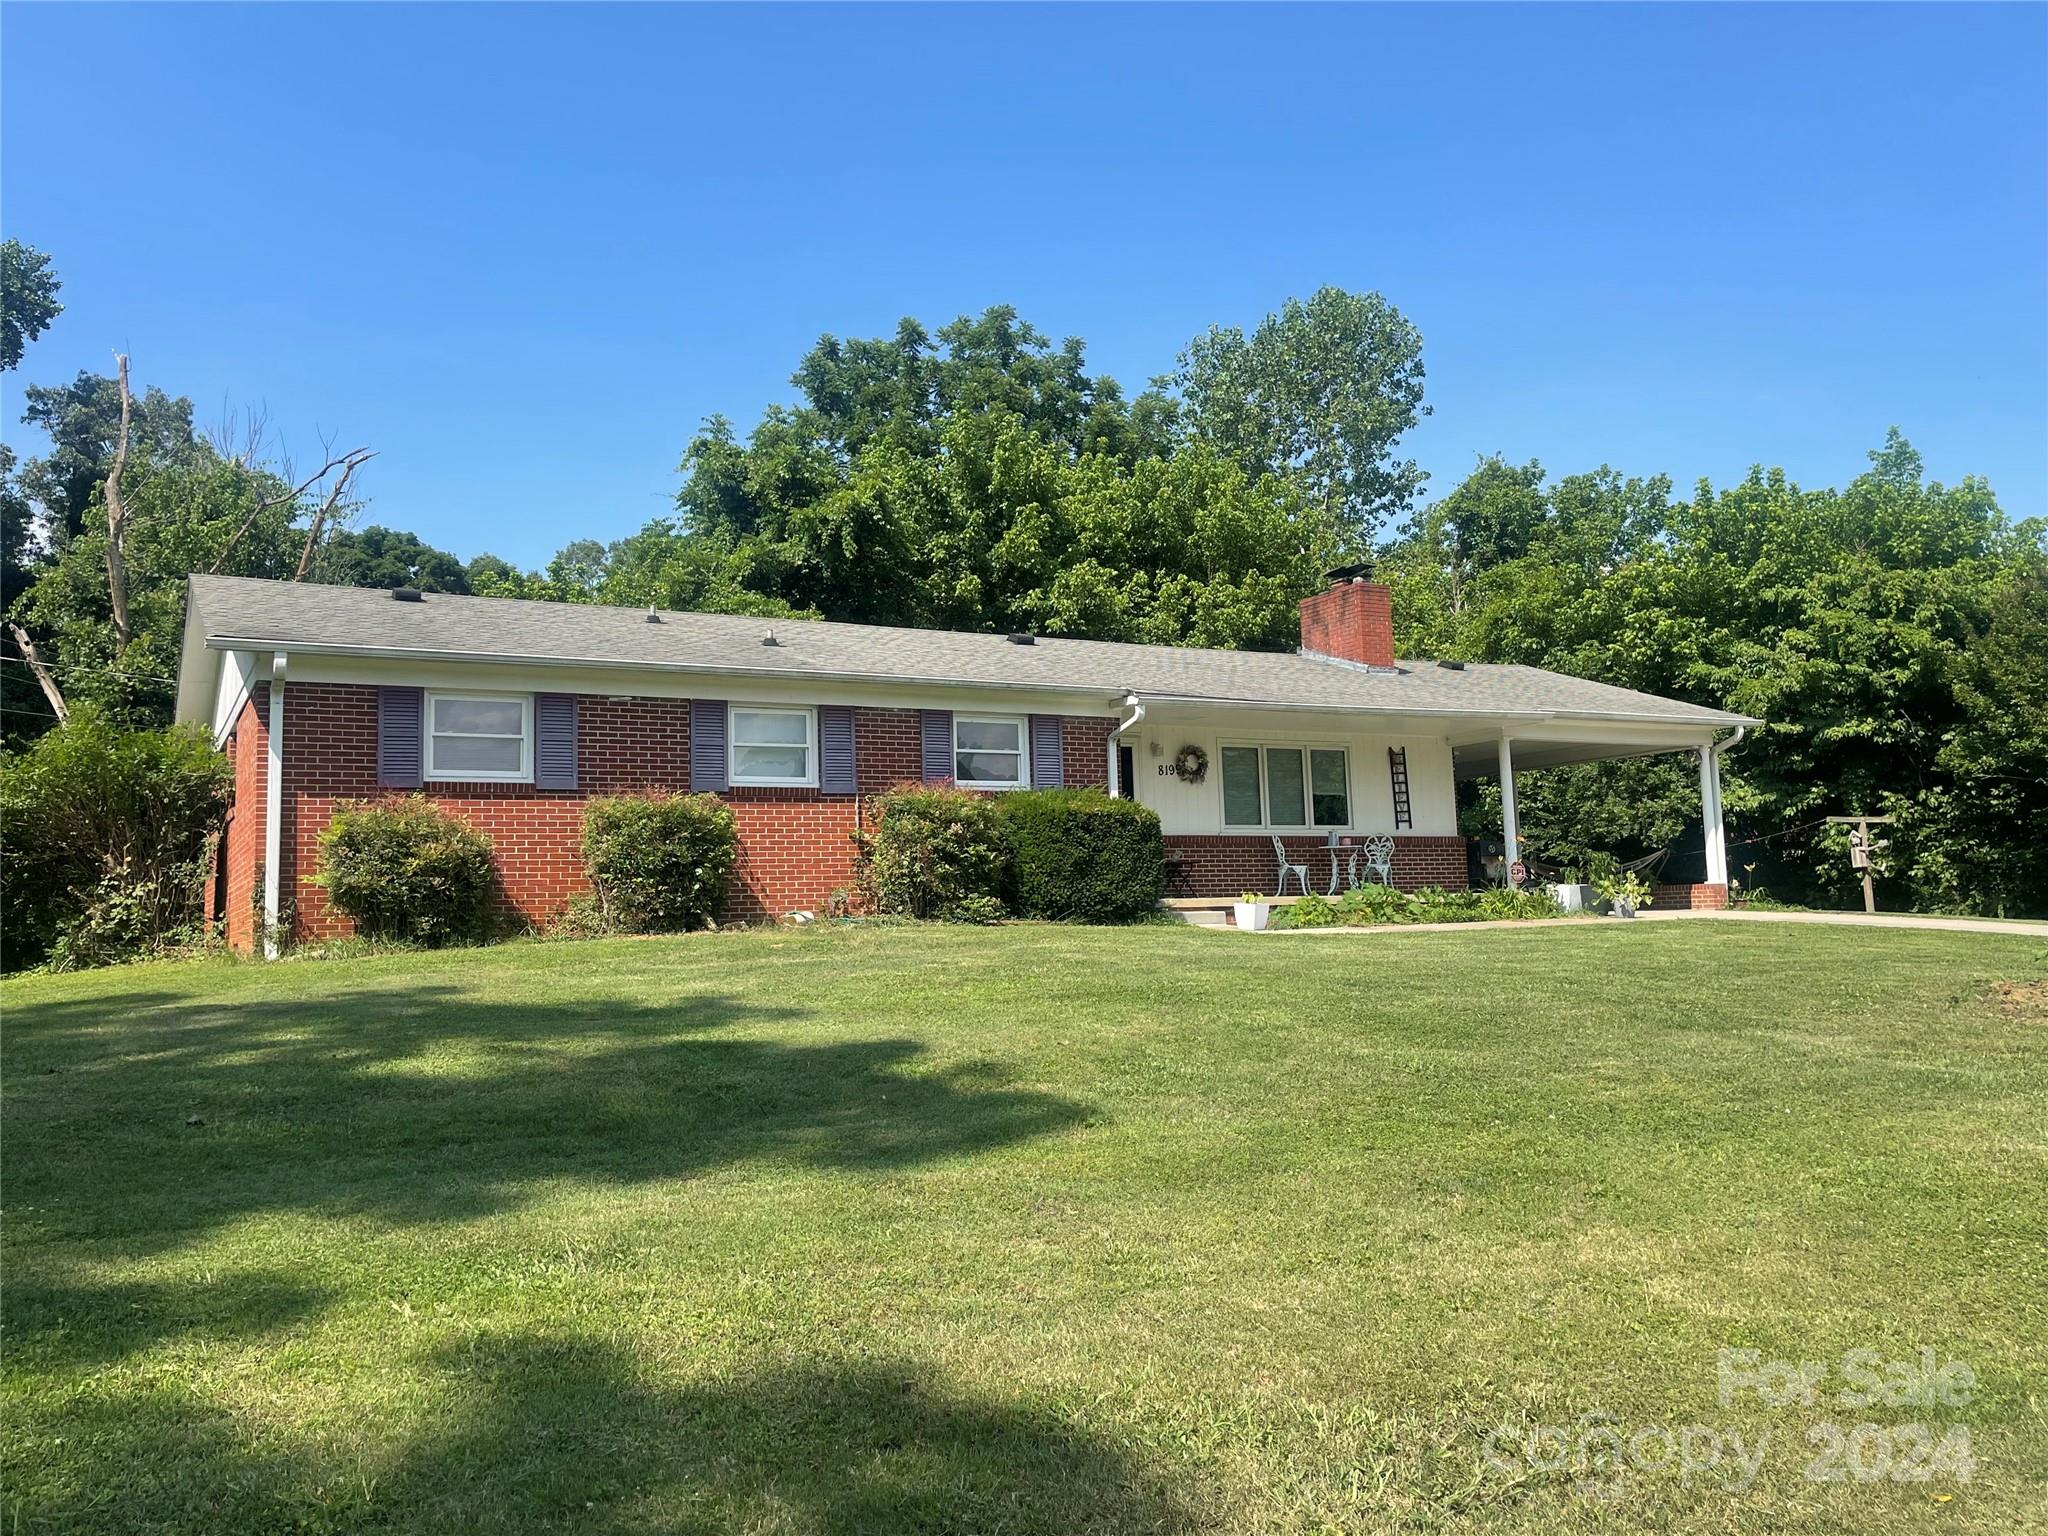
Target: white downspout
x=1137 y=709
x=273 y=807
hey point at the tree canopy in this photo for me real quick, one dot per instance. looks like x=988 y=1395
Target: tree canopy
x=28 y=299
x=1886 y=633
x=1893 y=633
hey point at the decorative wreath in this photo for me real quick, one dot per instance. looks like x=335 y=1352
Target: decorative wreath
x=1191 y=765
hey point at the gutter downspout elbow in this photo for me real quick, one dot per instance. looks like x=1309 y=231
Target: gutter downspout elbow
x=1137 y=708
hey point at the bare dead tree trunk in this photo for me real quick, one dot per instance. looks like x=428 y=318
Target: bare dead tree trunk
x=41 y=668
x=117 y=518
x=348 y=464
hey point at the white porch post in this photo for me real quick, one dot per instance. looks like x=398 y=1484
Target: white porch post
x=1710 y=815
x=1510 y=829
x=273 y=807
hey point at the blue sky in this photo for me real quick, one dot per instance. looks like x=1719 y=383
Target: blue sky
x=521 y=251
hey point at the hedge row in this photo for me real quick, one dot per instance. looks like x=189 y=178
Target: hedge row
x=405 y=869
x=1061 y=854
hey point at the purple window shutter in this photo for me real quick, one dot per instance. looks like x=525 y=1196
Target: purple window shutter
x=708 y=768
x=938 y=746
x=398 y=737
x=835 y=749
x=554 y=741
x=1047 y=770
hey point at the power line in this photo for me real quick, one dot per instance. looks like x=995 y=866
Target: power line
x=101 y=671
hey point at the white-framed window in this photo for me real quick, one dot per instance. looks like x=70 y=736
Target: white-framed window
x=479 y=738
x=1285 y=786
x=991 y=752
x=774 y=746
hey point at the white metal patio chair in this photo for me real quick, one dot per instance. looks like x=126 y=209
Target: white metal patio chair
x=1378 y=854
x=1299 y=871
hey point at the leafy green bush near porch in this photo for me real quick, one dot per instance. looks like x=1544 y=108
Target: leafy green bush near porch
x=933 y=852
x=1372 y=906
x=659 y=861
x=405 y=869
x=1082 y=854
x=108 y=833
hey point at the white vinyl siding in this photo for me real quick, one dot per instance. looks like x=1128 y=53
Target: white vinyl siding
x=774 y=747
x=479 y=738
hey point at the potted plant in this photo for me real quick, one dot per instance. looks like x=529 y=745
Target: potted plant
x=1571 y=890
x=1251 y=911
x=1600 y=868
x=1624 y=893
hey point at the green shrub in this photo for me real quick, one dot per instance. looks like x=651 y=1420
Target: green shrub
x=925 y=851
x=1082 y=854
x=986 y=911
x=1433 y=904
x=659 y=862
x=404 y=869
x=1371 y=905
x=1311 y=911
x=109 y=841
x=1504 y=903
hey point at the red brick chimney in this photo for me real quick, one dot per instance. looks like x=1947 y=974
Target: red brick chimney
x=1353 y=621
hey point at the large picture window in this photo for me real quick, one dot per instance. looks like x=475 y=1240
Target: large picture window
x=473 y=737
x=988 y=752
x=1284 y=787
x=773 y=746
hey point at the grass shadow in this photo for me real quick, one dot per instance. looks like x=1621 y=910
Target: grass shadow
x=534 y=1435
x=430 y=1104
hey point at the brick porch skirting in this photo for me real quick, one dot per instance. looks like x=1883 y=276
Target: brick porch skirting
x=1227 y=866
x=1688 y=898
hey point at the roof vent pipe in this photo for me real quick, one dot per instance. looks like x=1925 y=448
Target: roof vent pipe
x=405 y=594
x=652 y=616
x=769 y=639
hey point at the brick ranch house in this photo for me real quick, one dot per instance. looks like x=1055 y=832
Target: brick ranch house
x=511 y=714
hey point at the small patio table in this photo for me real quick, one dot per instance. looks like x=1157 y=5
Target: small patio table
x=1338 y=845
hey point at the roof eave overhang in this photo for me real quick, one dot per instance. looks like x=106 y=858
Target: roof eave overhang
x=618 y=664
x=1506 y=718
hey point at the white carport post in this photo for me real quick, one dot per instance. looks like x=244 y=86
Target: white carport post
x=273 y=807
x=1511 y=830
x=1710 y=815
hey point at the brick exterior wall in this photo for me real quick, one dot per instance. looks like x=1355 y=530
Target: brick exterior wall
x=795 y=845
x=1227 y=866
x=1688 y=898
x=1084 y=753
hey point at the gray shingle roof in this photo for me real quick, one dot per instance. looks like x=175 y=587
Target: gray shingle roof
x=231 y=612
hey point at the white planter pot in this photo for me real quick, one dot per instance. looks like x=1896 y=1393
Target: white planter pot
x=1624 y=908
x=1251 y=915
x=1573 y=898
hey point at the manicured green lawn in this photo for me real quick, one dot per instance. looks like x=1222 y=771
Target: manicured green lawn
x=1017 y=1230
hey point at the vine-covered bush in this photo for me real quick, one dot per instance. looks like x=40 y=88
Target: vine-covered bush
x=108 y=835
x=930 y=852
x=659 y=862
x=404 y=869
x=1082 y=854
x=1373 y=905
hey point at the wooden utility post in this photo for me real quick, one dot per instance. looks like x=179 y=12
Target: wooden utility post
x=1860 y=849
